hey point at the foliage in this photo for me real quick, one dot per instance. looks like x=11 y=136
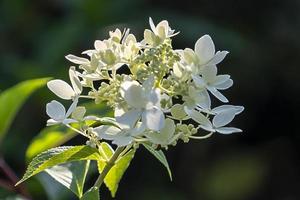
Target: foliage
x=13 y=98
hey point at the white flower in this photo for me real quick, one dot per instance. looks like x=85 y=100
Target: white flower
x=127 y=127
x=197 y=97
x=130 y=48
x=181 y=71
x=223 y=116
x=159 y=32
x=144 y=101
x=165 y=136
x=63 y=90
x=203 y=55
x=116 y=35
x=213 y=82
x=57 y=112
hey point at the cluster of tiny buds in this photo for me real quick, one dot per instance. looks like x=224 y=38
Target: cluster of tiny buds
x=165 y=97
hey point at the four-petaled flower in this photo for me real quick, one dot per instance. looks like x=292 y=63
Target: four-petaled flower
x=213 y=82
x=159 y=33
x=144 y=102
x=123 y=131
x=203 y=55
x=223 y=115
x=57 y=113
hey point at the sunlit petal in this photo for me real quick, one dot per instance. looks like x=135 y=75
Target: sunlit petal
x=77 y=60
x=223 y=118
x=228 y=130
x=61 y=89
x=77 y=87
x=56 y=110
x=205 y=49
x=153 y=119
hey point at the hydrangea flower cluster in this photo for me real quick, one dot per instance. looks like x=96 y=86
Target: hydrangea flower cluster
x=165 y=98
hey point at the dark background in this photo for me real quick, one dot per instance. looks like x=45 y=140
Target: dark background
x=264 y=44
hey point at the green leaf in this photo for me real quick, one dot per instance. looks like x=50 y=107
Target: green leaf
x=48 y=138
x=106 y=150
x=91 y=194
x=13 y=98
x=115 y=174
x=160 y=156
x=58 y=156
x=72 y=175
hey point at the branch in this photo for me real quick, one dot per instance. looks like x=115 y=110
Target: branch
x=12 y=178
x=108 y=166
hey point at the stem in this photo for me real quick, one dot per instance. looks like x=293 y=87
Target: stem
x=108 y=166
x=125 y=150
x=87 y=97
x=13 y=179
x=201 y=137
x=74 y=129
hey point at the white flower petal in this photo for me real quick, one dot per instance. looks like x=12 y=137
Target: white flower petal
x=138 y=130
x=100 y=45
x=206 y=102
x=221 y=79
x=205 y=49
x=122 y=140
x=79 y=113
x=89 y=52
x=238 y=109
x=152 y=26
x=219 y=57
x=118 y=111
x=69 y=121
x=198 y=117
x=77 y=60
x=106 y=132
x=208 y=128
x=72 y=107
x=77 y=87
x=154 y=98
x=178 y=112
x=129 y=119
x=165 y=135
x=162 y=29
x=199 y=81
x=177 y=70
x=133 y=94
x=218 y=94
x=209 y=73
x=148 y=37
x=153 y=119
x=228 y=130
x=223 y=118
x=56 y=110
x=148 y=84
x=200 y=97
x=61 y=89
x=225 y=85
x=189 y=56
x=92 y=118
x=51 y=122
x=224 y=108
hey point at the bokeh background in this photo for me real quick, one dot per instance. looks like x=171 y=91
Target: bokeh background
x=263 y=39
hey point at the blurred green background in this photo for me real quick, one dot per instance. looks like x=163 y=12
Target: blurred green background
x=264 y=44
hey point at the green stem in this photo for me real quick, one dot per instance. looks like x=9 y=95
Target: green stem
x=108 y=166
x=201 y=137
